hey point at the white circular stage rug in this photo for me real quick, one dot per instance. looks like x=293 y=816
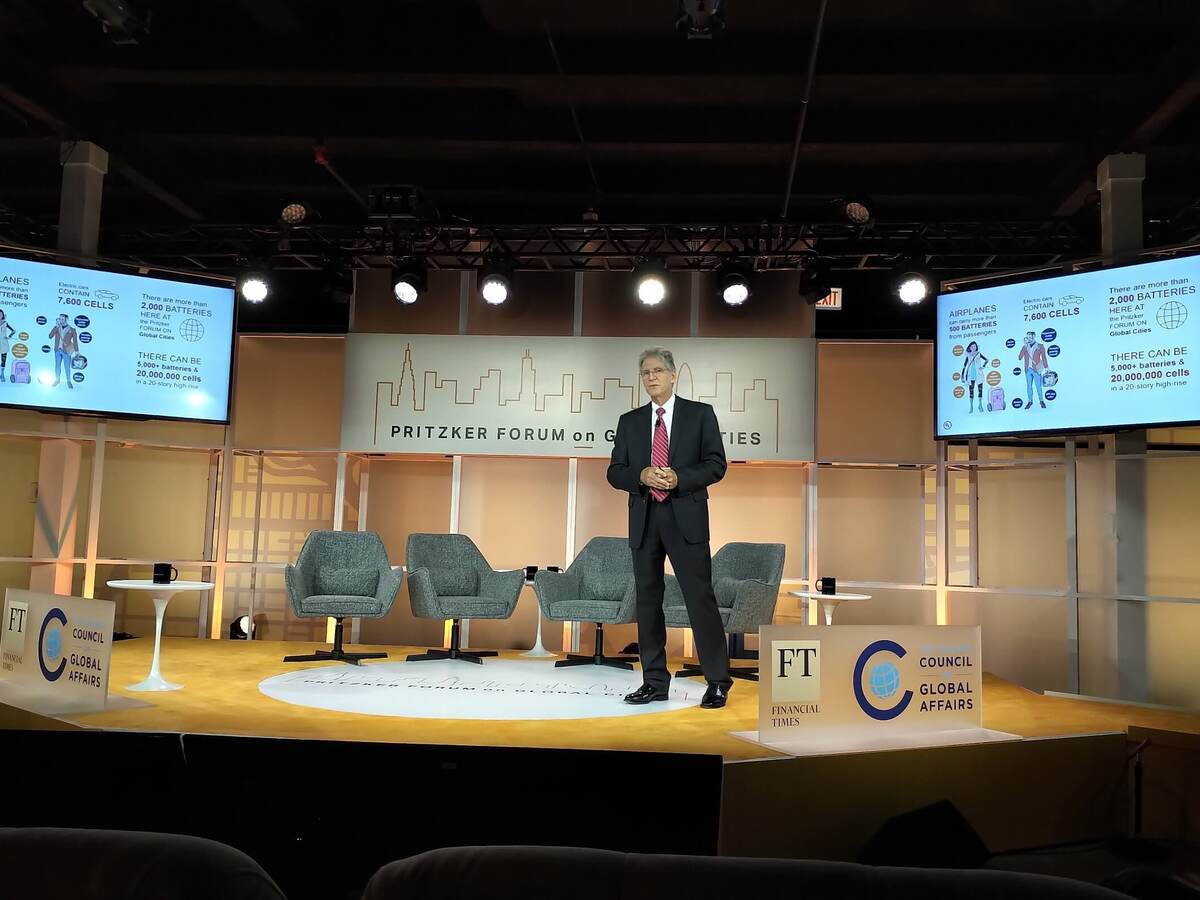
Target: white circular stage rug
x=453 y=689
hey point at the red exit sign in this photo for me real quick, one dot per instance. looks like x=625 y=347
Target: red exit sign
x=833 y=300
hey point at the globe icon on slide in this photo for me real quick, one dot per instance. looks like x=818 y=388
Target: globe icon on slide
x=53 y=644
x=191 y=330
x=884 y=680
x=1171 y=314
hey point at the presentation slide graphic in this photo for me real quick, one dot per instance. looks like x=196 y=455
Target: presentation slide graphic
x=1109 y=348
x=84 y=340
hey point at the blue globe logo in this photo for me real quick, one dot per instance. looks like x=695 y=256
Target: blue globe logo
x=884 y=680
x=53 y=644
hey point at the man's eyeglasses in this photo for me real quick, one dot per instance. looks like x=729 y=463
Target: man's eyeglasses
x=646 y=373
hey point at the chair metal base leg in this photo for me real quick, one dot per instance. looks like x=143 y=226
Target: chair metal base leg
x=693 y=670
x=474 y=656
x=599 y=659
x=336 y=655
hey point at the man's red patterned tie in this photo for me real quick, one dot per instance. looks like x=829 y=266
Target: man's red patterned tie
x=659 y=451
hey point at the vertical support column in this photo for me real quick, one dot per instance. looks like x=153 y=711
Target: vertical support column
x=571 y=629
x=222 y=555
x=973 y=513
x=810 y=544
x=455 y=500
x=364 y=485
x=1119 y=177
x=941 y=522
x=1130 y=525
x=1072 y=531
x=570 y=635
x=56 y=516
x=210 y=528
x=93 y=525
x=84 y=166
x=339 y=524
x=258 y=482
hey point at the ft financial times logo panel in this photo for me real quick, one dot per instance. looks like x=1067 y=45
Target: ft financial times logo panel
x=944 y=683
x=65 y=650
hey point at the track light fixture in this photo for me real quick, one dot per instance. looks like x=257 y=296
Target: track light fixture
x=254 y=281
x=495 y=280
x=815 y=280
x=736 y=282
x=650 y=280
x=912 y=282
x=857 y=209
x=293 y=214
x=339 y=278
x=408 y=279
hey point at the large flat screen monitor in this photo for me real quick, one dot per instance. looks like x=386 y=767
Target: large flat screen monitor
x=79 y=340
x=1107 y=349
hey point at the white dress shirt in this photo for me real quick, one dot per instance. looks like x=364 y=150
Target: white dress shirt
x=669 y=406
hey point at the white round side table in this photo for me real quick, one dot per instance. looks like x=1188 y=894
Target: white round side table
x=161 y=594
x=829 y=602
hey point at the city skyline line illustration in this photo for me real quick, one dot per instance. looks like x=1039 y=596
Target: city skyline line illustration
x=431 y=381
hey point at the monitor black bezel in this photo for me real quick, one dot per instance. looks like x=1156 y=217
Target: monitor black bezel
x=1040 y=432
x=176 y=277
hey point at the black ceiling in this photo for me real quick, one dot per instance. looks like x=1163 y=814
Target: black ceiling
x=955 y=111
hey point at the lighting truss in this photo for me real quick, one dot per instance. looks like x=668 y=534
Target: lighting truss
x=958 y=246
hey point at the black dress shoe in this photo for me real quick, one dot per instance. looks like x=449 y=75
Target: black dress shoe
x=645 y=694
x=714 y=697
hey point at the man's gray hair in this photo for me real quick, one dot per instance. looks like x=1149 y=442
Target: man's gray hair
x=662 y=353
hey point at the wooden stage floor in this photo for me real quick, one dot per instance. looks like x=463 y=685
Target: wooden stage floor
x=221 y=696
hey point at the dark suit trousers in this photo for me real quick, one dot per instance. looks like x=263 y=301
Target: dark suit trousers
x=693 y=568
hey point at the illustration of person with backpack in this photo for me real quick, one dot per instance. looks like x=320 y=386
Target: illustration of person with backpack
x=66 y=345
x=1033 y=355
x=6 y=332
x=974 y=362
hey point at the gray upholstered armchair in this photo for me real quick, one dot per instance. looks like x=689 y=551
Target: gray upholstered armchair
x=597 y=587
x=339 y=574
x=746 y=579
x=448 y=578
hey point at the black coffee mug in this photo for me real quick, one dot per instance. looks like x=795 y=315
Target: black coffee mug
x=827 y=584
x=530 y=571
x=165 y=573
x=553 y=569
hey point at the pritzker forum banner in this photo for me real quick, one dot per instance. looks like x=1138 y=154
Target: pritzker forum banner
x=562 y=396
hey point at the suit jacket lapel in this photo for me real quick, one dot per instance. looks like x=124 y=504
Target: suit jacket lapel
x=647 y=430
x=678 y=417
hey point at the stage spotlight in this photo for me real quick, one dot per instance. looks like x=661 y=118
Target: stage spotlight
x=855 y=209
x=339 y=279
x=699 y=18
x=912 y=288
x=254 y=283
x=736 y=281
x=495 y=281
x=650 y=278
x=912 y=282
x=408 y=280
x=240 y=628
x=815 y=280
x=294 y=214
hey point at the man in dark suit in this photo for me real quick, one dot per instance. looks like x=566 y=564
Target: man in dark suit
x=665 y=455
